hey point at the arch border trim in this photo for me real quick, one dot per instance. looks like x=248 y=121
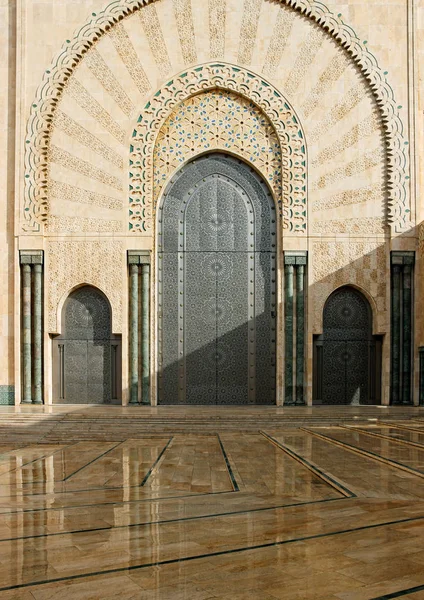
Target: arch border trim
x=35 y=209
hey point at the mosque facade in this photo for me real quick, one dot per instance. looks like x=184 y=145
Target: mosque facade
x=212 y=202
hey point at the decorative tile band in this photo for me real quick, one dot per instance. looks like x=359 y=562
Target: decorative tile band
x=78 y=92
x=308 y=50
x=249 y=27
x=261 y=97
x=327 y=78
x=106 y=21
x=75 y=130
x=363 y=129
x=371 y=225
x=283 y=27
x=99 y=68
x=65 y=159
x=358 y=165
x=185 y=26
x=154 y=34
x=7 y=395
x=348 y=197
x=71 y=193
x=217 y=28
x=126 y=51
x=60 y=224
x=217 y=120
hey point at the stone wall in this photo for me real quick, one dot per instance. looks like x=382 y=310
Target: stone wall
x=97 y=85
x=7 y=199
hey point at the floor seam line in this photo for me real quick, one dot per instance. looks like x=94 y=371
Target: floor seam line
x=387 y=461
x=194 y=518
x=209 y=555
x=339 y=487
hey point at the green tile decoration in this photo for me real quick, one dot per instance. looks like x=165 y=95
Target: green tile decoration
x=7 y=395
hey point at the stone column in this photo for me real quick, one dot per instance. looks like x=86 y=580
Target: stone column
x=137 y=259
x=145 y=343
x=407 y=335
x=300 y=333
x=38 y=334
x=133 y=333
x=396 y=331
x=295 y=262
x=32 y=325
x=26 y=333
x=402 y=303
x=289 y=333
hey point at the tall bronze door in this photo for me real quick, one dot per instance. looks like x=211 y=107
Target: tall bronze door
x=86 y=356
x=347 y=357
x=217 y=281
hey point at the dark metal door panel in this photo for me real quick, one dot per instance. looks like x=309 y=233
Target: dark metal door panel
x=99 y=372
x=170 y=323
x=232 y=217
x=334 y=372
x=85 y=361
x=345 y=378
x=199 y=226
x=357 y=372
x=75 y=371
x=199 y=340
x=216 y=286
x=265 y=327
x=217 y=217
x=234 y=322
x=346 y=344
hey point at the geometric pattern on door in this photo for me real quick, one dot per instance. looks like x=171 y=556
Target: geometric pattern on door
x=216 y=286
x=86 y=356
x=348 y=348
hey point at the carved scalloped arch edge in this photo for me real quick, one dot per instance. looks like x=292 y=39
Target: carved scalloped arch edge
x=54 y=80
x=243 y=82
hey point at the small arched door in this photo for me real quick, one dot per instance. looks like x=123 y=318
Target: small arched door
x=86 y=355
x=217 y=286
x=347 y=365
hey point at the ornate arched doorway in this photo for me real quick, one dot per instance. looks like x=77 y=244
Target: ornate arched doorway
x=86 y=354
x=347 y=365
x=217 y=286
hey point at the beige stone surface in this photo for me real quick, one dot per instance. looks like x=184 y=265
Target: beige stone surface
x=286 y=513
x=71 y=150
x=7 y=189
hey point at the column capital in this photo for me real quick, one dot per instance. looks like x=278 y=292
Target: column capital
x=31 y=257
x=139 y=257
x=295 y=257
x=403 y=257
x=133 y=330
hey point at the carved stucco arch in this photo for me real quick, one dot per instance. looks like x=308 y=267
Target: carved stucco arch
x=290 y=190
x=71 y=290
x=73 y=264
x=367 y=295
x=360 y=264
x=73 y=51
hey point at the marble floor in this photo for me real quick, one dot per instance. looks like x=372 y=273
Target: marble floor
x=321 y=512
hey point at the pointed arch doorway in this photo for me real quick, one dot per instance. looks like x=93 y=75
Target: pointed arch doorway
x=217 y=286
x=86 y=356
x=347 y=356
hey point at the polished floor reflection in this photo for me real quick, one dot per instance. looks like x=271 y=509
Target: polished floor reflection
x=323 y=512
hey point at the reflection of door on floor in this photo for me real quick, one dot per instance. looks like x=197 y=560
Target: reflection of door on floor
x=347 y=365
x=86 y=356
x=217 y=286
